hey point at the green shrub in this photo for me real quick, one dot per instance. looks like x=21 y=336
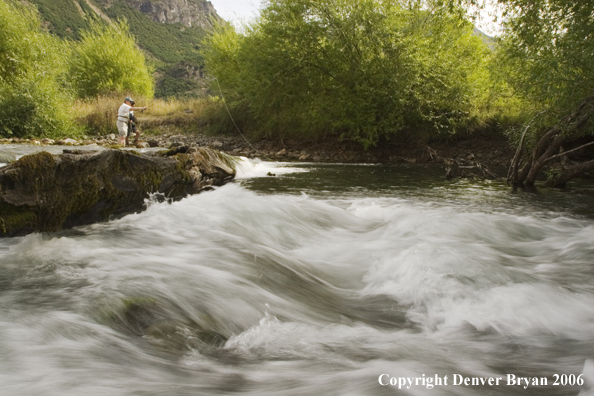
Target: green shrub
x=547 y=56
x=363 y=70
x=33 y=99
x=21 y=42
x=36 y=108
x=107 y=61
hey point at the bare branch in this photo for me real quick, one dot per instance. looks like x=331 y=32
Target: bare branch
x=513 y=169
x=567 y=152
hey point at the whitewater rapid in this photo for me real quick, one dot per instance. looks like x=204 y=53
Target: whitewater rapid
x=314 y=291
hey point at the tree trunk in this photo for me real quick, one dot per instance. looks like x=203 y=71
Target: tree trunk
x=549 y=145
x=539 y=162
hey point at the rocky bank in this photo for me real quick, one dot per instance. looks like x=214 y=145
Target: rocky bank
x=491 y=151
x=45 y=192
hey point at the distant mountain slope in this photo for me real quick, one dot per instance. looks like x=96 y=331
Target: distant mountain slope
x=169 y=31
x=64 y=17
x=189 y=13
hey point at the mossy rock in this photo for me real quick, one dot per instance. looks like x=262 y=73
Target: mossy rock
x=45 y=192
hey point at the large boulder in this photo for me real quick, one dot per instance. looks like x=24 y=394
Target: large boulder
x=45 y=192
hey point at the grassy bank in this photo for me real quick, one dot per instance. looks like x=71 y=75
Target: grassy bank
x=209 y=116
x=98 y=115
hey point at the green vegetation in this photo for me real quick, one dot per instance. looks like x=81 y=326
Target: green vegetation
x=41 y=75
x=16 y=217
x=34 y=100
x=64 y=17
x=183 y=80
x=170 y=47
x=375 y=71
x=367 y=70
x=549 y=47
x=107 y=60
x=546 y=56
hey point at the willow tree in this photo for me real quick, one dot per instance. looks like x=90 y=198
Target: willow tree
x=365 y=70
x=550 y=44
x=34 y=99
x=547 y=50
x=107 y=60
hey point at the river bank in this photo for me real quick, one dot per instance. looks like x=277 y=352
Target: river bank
x=492 y=151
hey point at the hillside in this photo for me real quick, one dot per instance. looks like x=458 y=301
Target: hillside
x=169 y=32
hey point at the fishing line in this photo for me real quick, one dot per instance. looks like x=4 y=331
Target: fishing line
x=228 y=111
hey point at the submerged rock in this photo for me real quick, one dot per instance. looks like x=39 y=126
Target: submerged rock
x=45 y=192
x=163 y=324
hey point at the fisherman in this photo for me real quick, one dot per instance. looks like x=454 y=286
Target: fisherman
x=132 y=127
x=124 y=118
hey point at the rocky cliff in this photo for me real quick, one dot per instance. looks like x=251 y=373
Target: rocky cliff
x=187 y=12
x=190 y=13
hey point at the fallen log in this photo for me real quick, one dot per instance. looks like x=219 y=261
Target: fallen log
x=477 y=170
x=44 y=192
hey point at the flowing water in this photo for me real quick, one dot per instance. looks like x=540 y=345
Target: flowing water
x=320 y=280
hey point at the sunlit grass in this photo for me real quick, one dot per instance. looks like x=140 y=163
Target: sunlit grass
x=99 y=114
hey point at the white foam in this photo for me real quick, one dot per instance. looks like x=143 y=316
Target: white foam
x=355 y=289
x=250 y=168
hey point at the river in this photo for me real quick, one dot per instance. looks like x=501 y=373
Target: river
x=318 y=279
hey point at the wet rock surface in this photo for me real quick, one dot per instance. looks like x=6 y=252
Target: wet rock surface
x=45 y=192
